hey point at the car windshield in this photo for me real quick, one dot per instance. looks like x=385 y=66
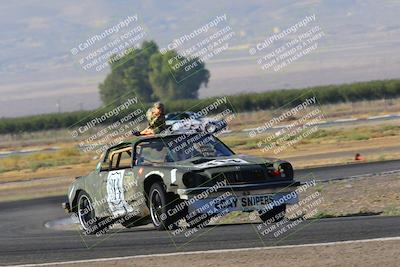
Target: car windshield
x=172 y=116
x=182 y=147
x=194 y=115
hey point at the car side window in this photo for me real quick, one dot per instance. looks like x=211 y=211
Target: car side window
x=114 y=160
x=150 y=152
x=125 y=160
x=121 y=159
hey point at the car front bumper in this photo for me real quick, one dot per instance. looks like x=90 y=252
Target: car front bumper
x=271 y=187
x=66 y=206
x=248 y=197
x=246 y=203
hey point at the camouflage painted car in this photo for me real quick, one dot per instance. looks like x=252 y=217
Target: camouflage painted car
x=190 y=121
x=175 y=179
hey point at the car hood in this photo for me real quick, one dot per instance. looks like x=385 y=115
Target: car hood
x=200 y=163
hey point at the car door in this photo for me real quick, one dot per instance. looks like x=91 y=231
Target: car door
x=94 y=185
x=120 y=183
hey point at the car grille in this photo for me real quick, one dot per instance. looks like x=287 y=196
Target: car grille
x=241 y=177
x=254 y=175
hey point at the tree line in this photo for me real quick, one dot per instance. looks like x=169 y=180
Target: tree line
x=330 y=94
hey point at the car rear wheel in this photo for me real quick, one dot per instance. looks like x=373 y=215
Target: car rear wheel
x=87 y=217
x=161 y=206
x=274 y=215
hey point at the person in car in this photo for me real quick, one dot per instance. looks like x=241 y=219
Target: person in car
x=156 y=118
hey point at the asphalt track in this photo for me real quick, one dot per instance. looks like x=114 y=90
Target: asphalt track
x=24 y=239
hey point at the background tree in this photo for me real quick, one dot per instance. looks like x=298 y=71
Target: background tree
x=129 y=75
x=150 y=75
x=171 y=81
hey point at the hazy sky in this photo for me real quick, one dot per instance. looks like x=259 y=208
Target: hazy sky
x=39 y=74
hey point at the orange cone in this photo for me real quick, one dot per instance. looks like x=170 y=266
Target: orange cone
x=359 y=157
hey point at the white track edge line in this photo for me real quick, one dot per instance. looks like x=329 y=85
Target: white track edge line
x=211 y=251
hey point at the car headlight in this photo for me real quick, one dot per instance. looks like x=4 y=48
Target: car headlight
x=191 y=180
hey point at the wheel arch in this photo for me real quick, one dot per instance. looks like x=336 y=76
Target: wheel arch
x=148 y=182
x=74 y=204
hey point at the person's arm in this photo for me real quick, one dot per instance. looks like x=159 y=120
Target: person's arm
x=147 y=131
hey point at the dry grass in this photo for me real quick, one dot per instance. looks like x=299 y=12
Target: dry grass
x=375 y=195
x=361 y=109
x=328 y=146
x=64 y=156
x=334 y=135
x=244 y=120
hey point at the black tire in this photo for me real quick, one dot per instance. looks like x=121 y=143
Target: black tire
x=135 y=221
x=274 y=215
x=159 y=203
x=87 y=218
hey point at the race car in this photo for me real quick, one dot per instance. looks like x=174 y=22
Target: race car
x=189 y=121
x=178 y=179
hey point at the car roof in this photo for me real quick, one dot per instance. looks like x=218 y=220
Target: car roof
x=135 y=139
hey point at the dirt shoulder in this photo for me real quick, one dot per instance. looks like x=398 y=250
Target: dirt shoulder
x=374 y=195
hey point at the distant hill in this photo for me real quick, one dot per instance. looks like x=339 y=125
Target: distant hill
x=38 y=73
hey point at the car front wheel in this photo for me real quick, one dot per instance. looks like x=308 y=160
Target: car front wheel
x=161 y=206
